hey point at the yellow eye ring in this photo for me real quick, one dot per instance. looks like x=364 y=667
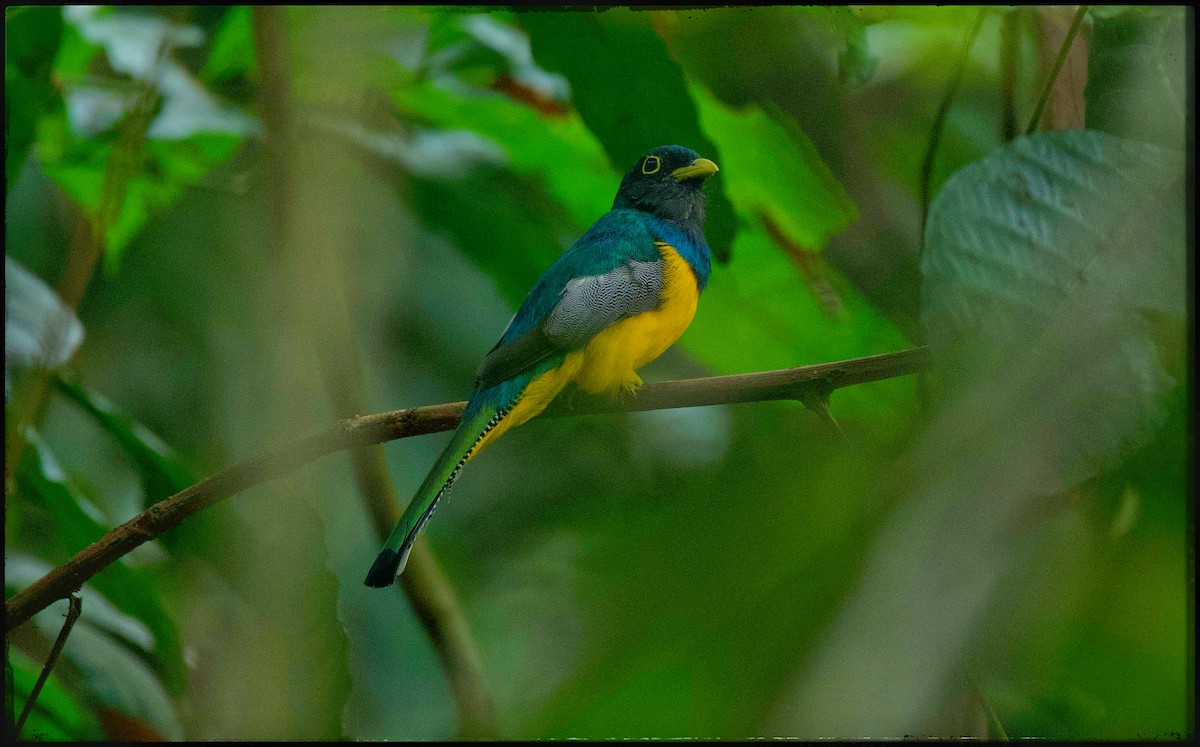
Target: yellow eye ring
x=646 y=165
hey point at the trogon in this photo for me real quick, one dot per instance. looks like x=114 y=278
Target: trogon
x=614 y=301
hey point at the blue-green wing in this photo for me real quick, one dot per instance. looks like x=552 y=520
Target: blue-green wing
x=612 y=272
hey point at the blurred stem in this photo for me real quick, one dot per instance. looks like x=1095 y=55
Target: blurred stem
x=1048 y=88
x=74 y=609
x=428 y=590
x=784 y=384
x=291 y=168
x=1010 y=55
x=939 y=121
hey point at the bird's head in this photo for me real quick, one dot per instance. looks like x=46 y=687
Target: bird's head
x=666 y=182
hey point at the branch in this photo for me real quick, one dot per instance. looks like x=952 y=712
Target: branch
x=784 y=384
x=1048 y=89
x=74 y=609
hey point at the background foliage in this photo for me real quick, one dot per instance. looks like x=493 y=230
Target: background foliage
x=1000 y=547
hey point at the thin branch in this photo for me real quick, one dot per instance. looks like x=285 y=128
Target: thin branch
x=783 y=384
x=939 y=121
x=1058 y=63
x=74 y=609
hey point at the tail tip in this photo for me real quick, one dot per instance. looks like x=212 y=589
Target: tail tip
x=385 y=569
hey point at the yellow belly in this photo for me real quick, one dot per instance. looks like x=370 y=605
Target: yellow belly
x=610 y=361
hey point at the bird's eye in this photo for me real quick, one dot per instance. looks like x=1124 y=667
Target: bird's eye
x=651 y=165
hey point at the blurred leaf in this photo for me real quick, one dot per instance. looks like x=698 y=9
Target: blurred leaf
x=97 y=148
x=630 y=93
x=206 y=535
x=160 y=469
x=1077 y=235
x=483 y=50
x=507 y=224
x=772 y=167
x=232 y=51
x=119 y=727
x=1137 y=86
x=1044 y=257
x=39 y=330
x=31 y=36
x=856 y=63
x=559 y=150
x=107 y=662
x=157 y=179
x=65 y=523
x=22 y=570
x=757 y=315
x=103 y=673
x=55 y=717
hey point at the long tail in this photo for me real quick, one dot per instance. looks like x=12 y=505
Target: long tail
x=467 y=439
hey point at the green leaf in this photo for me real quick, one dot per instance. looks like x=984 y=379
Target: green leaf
x=492 y=210
x=103 y=672
x=481 y=48
x=557 y=150
x=56 y=717
x=757 y=315
x=130 y=139
x=31 y=36
x=65 y=523
x=161 y=470
x=1058 y=248
x=630 y=93
x=206 y=535
x=772 y=167
x=161 y=171
x=1137 y=75
x=232 y=51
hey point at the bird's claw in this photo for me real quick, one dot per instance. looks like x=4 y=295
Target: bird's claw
x=628 y=390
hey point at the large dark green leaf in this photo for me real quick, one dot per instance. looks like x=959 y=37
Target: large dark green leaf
x=1056 y=248
x=630 y=93
x=1137 y=75
x=31 y=36
x=49 y=508
x=1043 y=261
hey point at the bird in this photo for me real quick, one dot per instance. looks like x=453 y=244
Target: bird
x=612 y=302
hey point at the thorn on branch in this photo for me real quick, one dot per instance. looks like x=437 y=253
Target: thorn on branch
x=816 y=399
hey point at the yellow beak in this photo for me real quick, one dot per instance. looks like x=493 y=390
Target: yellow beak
x=699 y=168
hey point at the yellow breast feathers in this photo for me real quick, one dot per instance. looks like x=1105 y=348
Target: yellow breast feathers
x=610 y=360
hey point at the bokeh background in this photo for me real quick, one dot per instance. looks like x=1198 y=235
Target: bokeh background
x=228 y=228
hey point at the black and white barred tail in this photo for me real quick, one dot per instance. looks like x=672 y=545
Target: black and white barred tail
x=394 y=556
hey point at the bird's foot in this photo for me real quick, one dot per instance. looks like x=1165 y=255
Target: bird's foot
x=629 y=389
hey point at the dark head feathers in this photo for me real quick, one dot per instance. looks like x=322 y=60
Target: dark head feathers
x=667 y=182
